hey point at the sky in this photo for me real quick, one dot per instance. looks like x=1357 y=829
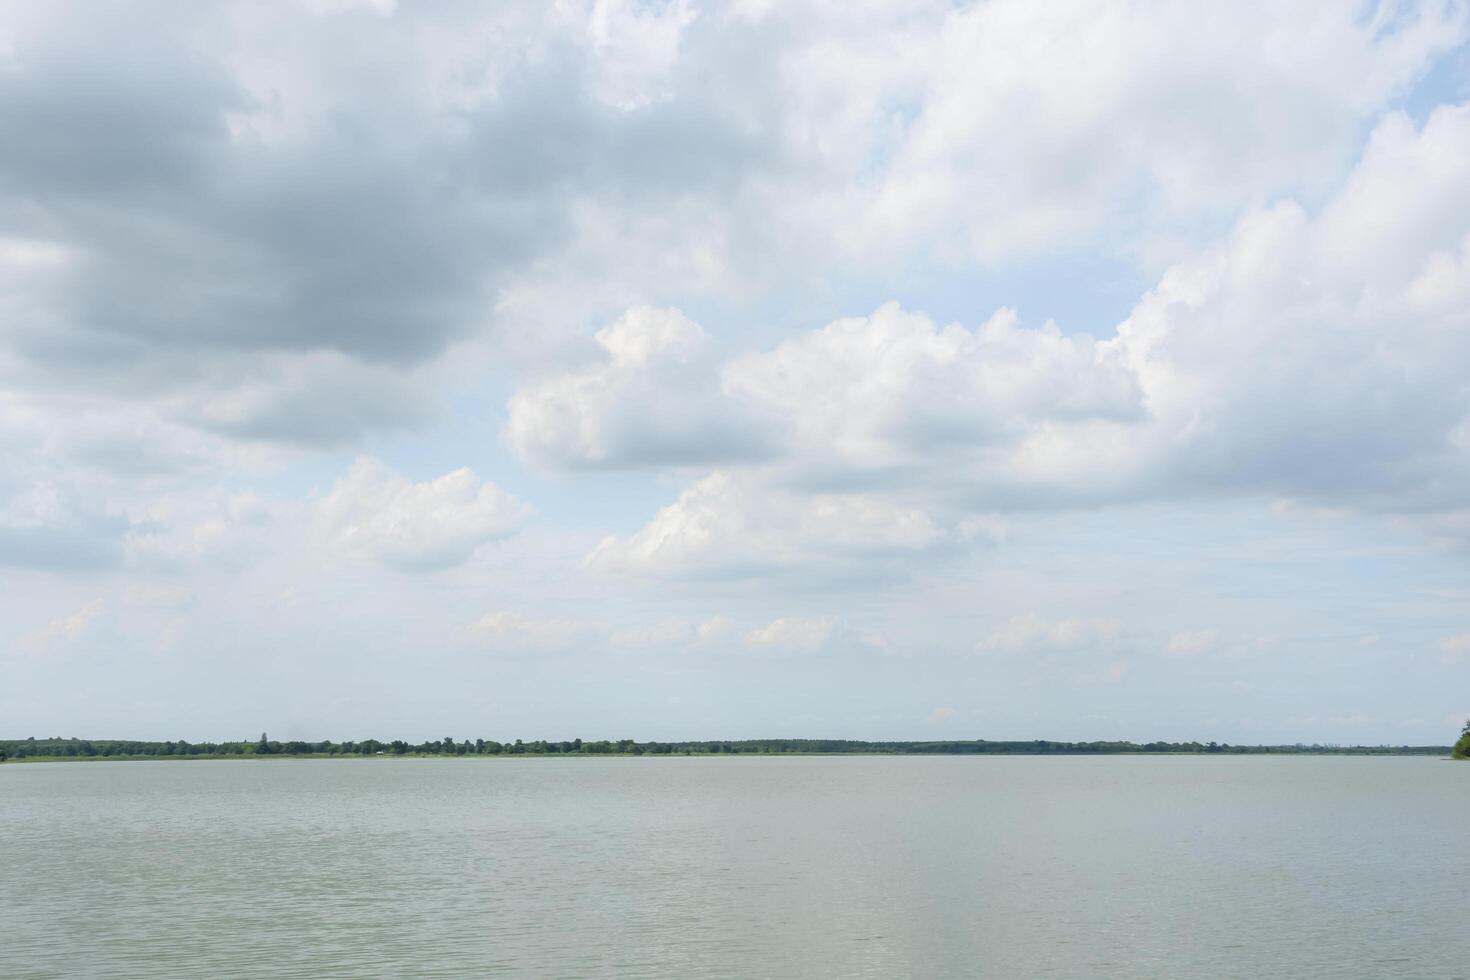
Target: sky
x=664 y=370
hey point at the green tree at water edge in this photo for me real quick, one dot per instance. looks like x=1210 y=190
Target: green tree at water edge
x=1462 y=747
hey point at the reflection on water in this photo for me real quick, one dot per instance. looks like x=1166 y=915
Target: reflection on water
x=737 y=867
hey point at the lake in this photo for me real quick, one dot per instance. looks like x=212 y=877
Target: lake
x=848 y=866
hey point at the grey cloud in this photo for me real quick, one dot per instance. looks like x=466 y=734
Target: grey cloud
x=317 y=399
x=378 y=224
x=378 y=232
x=91 y=544
x=548 y=130
x=101 y=106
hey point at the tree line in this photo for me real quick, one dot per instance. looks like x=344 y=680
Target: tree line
x=68 y=748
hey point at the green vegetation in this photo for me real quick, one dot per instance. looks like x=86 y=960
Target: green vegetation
x=74 y=748
x=1461 y=749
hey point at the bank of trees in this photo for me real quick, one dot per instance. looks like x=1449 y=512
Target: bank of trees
x=67 y=748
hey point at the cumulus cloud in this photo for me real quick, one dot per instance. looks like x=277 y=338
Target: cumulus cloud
x=513 y=629
x=161 y=595
x=1235 y=346
x=673 y=633
x=896 y=391
x=729 y=525
x=977 y=159
x=214 y=530
x=55 y=527
x=714 y=628
x=793 y=632
x=1189 y=643
x=1454 y=649
x=647 y=403
x=1214 y=385
x=1207 y=385
x=878 y=393
x=1030 y=631
x=376 y=514
x=63 y=631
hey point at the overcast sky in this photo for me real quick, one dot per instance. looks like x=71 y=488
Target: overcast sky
x=675 y=370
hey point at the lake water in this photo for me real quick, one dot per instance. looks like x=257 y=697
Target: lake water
x=1014 y=868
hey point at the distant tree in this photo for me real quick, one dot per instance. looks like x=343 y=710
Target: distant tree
x=1462 y=747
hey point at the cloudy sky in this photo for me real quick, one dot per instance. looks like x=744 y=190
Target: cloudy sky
x=660 y=370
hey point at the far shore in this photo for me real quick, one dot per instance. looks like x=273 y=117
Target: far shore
x=118 y=750
x=1444 y=755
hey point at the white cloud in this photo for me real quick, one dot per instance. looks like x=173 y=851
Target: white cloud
x=887 y=391
x=714 y=629
x=52 y=525
x=161 y=595
x=728 y=525
x=516 y=630
x=647 y=403
x=1029 y=631
x=673 y=632
x=382 y=8
x=793 y=632
x=993 y=130
x=897 y=427
x=214 y=529
x=1188 y=643
x=1454 y=649
x=374 y=513
x=62 y=631
x=896 y=390
x=1232 y=347
x=636 y=49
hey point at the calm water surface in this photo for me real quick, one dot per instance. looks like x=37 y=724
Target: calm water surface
x=1009 y=868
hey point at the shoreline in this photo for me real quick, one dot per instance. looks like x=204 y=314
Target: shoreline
x=355 y=757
